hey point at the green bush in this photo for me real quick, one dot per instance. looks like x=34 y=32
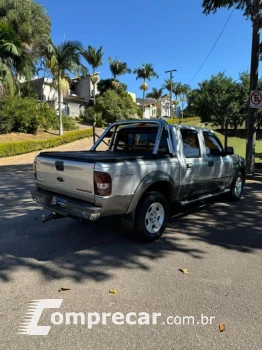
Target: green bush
x=90 y=115
x=26 y=115
x=68 y=124
x=9 y=149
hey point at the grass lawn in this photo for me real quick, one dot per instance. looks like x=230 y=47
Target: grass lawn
x=238 y=142
x=46 y=135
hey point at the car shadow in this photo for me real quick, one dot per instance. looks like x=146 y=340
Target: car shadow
x=65 y=248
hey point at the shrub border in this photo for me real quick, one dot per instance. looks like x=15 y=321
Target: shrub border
x=9 y=149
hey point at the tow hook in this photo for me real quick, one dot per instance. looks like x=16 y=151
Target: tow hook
x=51 y=216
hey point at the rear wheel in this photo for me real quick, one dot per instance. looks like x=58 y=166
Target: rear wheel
x=237 y=187
x=151 y=217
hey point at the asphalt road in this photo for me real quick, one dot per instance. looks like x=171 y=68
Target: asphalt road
x=219 y=243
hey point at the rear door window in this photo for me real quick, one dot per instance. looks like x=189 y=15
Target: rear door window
x=191 y=147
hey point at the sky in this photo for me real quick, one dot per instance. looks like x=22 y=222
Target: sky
x=169 y=34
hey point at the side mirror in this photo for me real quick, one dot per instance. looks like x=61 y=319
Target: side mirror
x=228 y=151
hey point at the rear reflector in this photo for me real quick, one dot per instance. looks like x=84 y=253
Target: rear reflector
x=102 y=184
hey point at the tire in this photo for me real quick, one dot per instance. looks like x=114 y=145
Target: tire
x=151 y=217
x=236 y=188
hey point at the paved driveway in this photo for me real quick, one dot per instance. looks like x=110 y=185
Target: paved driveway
x=219 y=243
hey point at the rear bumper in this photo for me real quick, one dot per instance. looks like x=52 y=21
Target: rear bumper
x=75 y=208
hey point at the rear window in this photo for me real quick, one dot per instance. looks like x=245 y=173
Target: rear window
x=140 y=141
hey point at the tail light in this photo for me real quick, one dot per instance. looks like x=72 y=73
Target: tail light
x=102 y=184
x=34 y=170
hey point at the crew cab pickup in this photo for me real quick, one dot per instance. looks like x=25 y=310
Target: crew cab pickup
x=144 y=167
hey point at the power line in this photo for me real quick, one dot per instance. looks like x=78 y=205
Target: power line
x=213 y=46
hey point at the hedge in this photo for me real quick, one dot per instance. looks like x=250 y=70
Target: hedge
x=179 y=120
x=9 y=149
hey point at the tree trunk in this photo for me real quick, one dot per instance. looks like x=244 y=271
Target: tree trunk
x=251 y=122
x=144 y=101
x=94 y=123
x=226 y=128
x=60 y=108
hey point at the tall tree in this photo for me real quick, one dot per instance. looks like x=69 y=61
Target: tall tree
x=63 y=59
x=177 y=90
x=168 y=85
x=146 y=72
x=156 y=94
x=94 y=59
x=107 y=84
x=213 y=5
x=118 y=68
x=14 y=60
x=184 y=91
x=30 y=22
x=252 y=10
x=217 y=101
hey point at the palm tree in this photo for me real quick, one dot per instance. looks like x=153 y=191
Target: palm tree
x=168 y=85
x=155 y=94
x=184 y=91
x=14 y=60
x=146 y=72
x=117 y=68
x=62 y=59
x=177 y=90
x=94 y=58
x=30 y=22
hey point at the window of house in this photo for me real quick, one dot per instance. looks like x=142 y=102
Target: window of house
x=213 y=145
x=191 y=145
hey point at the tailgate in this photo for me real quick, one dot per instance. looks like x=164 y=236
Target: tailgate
x=74 y=177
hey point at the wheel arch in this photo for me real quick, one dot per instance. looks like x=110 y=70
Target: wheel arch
x=157 y=181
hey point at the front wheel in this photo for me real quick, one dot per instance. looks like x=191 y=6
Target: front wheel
x=151 y=217
x=236 y=188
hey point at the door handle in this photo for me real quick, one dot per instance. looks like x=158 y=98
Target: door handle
x=210 y=163
x=189 y=165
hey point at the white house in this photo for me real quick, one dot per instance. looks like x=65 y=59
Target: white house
x=73 y=102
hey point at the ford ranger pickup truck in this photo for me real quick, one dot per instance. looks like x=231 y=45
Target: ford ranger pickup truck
x=144 y=167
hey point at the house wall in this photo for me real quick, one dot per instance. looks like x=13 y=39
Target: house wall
x=133 y=95
x=83 y=88
x=49 y=93
x=74 y=109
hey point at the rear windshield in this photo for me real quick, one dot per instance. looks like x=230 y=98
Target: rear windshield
x=140 y=141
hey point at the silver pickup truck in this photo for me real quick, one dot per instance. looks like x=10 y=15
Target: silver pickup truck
x=143 y=167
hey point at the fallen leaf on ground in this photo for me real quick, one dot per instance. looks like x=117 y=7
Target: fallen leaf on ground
x=113 y=291
x=63 y=289
x=222 y=327
x=184 y=271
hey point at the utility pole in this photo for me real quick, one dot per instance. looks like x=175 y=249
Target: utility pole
x=171 y=87
x=251 y=122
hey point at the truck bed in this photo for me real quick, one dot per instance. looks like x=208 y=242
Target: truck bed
x=99 y=156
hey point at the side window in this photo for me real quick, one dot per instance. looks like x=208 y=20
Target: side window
x=213 y=145
x=190 y=143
